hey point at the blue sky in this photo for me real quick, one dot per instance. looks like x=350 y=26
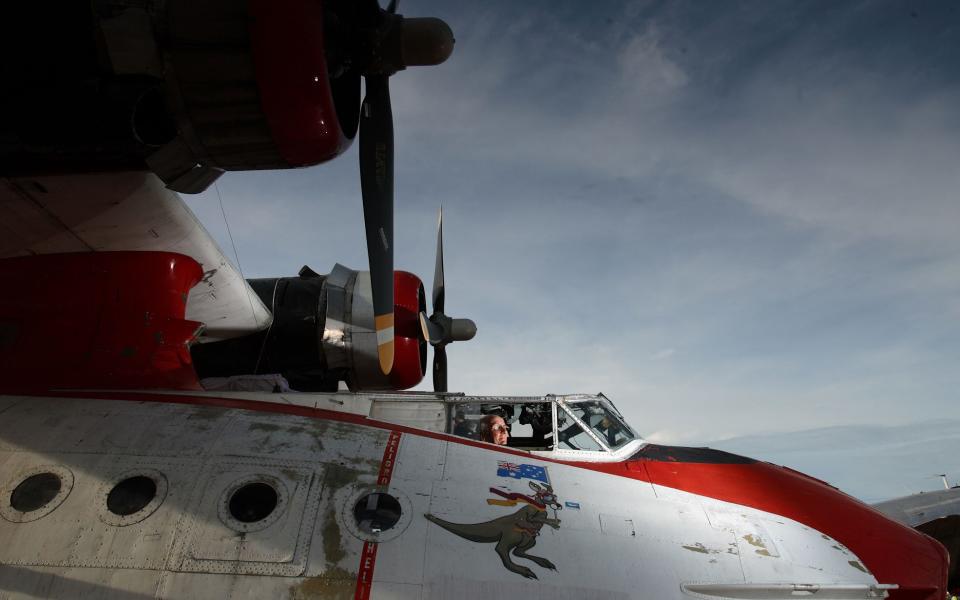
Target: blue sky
x=735 y=219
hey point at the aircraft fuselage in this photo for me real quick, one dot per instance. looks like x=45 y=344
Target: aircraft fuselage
x=364 y=508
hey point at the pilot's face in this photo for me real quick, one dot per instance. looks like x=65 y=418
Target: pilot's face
x=498 y=431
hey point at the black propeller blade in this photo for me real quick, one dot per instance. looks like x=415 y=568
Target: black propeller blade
x=376 y=184
x=439 y=329
x=391 y=44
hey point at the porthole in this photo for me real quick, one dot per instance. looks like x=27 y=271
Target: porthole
x=253 y=503
x=376 y=512
x=35 y=493
x=131 y=496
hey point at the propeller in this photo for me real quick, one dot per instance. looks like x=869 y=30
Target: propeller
x=390 y=44
x=438 y=328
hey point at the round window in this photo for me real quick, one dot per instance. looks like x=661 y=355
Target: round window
x=35 y=492
x=253 y=502
x=131 y=495
x=376 y=512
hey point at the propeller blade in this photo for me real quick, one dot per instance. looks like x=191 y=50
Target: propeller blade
x=438 y=328
x=376 y=184
x=439 y=369
x=431 y=331
x=439 y=292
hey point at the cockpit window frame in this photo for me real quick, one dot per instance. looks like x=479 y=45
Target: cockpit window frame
x=606 y=405
x=558 y=401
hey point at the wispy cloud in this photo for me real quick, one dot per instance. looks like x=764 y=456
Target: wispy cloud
x=769 y=189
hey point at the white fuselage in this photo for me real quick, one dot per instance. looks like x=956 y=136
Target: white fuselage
x=607 y=536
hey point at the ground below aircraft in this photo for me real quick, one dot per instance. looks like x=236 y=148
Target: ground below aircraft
x=121 y=476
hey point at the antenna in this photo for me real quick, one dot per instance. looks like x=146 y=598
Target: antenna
x=943 y=476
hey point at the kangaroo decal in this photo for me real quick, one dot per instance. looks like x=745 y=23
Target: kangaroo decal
x=515 y=533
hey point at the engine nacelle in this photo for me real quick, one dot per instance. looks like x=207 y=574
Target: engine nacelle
x=349 y=339
x=323 y=333
x=188 y=89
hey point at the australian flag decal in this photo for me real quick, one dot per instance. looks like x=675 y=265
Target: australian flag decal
x=516 y=471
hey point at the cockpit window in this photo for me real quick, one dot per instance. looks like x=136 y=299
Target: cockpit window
x=571 y=435
x=600 y=416
x=584 y=423
x=530 y=424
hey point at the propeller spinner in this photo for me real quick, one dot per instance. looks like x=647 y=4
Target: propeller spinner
x=438 y=328
x=392 y=44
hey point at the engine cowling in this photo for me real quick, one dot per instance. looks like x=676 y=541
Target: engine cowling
x=189 y=89
x=349 y=339
x=323 y=334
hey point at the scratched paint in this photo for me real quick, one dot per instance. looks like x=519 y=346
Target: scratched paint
x=332 y=540
x=335 y=584
x=856 y=565
x=757 y=541
x=335 y=479
x=698 y=547
x=268 y=427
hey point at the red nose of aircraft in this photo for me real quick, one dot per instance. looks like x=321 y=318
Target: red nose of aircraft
x=892 y=552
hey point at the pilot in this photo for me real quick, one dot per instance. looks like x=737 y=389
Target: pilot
x=493 y=429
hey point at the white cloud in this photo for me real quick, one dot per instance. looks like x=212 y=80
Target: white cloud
x=663 y=354
x=645 y=68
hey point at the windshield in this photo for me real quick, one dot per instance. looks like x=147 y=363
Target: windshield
x=603 y=420
x=572 y=436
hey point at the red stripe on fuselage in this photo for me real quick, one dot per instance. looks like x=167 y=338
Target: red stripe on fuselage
x=368 y=558
x=894 y=553
x=389 y=459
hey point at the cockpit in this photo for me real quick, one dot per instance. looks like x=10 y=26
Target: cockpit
x=579 y=427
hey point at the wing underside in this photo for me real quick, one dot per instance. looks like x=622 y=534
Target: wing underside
x=127 y=211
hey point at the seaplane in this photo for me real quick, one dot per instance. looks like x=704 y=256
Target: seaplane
x=169 y=429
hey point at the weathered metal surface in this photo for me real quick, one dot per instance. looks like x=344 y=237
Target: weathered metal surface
x=473 y=521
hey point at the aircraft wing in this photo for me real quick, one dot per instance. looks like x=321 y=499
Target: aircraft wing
x=130 y=210
x=918 y=509
x=936 y=514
